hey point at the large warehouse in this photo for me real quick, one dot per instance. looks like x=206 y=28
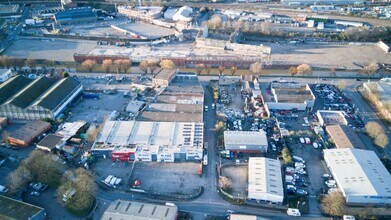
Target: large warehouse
x=360 y=175
x=131 y=210
x=344 y=137
x=288 y=96
x=24 y=98
x=25 y=135
x=265 y=180
x=245 y=141
x=76 y=15
x=150 y=141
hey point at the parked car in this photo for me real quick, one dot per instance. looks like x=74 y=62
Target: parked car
x=293 y=212
x=315 y=145
x=301 y=192
x=3 y=189
x=35 y=193
x=331 y=183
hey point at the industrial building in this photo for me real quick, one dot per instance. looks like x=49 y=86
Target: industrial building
x=245 y=141
x=50 y=142
x=143 y=13
x=12 y=209
x=265 y=180
x=344 y=137
x=360 y=175
x=322 y=2
x=289 y=96
x=150 y=141
x=25 y=135
x=5 y=74
x=76 y=15
x=24 y=98
x=131 y=210
x=329 y=117
x=164 y=77
x=9 y=10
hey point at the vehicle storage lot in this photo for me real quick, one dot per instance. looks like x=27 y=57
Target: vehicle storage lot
x=58 y=50
x=167 y=178
x=239 y=176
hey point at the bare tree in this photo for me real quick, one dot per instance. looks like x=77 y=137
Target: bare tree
x=89 y=65
x=3 y=61
x=233 y=70
x=117 y=65
x=208 y=68
x=144 y=66
x=126 y=65
x=221 y=70
x=199 y=68
x=256 y=67
x=341 y=84
x=293 y=70
x=18 y=178
x=333 y=204
x=382 y=140
x=32 y=63
x=371 y=69
x=43 y=168
x=373 y=129
x=107 y=65
x=153 y=67
x=304 y=69
x=167 y=64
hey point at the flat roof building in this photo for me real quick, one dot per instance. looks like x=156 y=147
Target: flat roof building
x=344 y=137
x=164 y=77
x=184 y=138
x=50 y=142
x=131 y=210
x=5 y=74
x=245 y=141
x=23 y=98
x=26 y=134
x=265 y=180
x=288 y=96
x=12 y=209
x=360 y=175
x=9 y=10
x=329 y=117
x=76 y=15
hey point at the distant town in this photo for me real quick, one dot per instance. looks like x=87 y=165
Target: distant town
x=192 y=110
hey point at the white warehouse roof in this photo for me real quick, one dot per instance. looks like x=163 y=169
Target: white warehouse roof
x=265 y=180
x=245 y=140
x=360 y=175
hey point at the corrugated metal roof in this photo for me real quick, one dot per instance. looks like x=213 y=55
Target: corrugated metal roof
x=12 y=86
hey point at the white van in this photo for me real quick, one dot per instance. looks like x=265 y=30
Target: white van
x=293 y=212
x=302 y=140
x=348 y=217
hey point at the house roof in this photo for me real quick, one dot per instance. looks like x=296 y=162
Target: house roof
x=50 y=141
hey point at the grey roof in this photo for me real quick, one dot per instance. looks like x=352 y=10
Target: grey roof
x=12 y=86
x=28 y=94
x=14 y=209
x=50 y=141
x=121 y=209
x=30 y=130
x=170 y=116
x=53 y=97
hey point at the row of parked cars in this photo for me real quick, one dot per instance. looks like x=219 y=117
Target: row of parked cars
x=37 y=188
x=294 y=177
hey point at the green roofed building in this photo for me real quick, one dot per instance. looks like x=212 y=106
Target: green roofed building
x=23 y=98
x=11 y=209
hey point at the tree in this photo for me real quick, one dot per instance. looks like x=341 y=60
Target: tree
x=4 y=136
x=199 y=68
x=83 y=182
x=233 y=70
x=117 y=65
x=286 y=155
x=126 y=65
x=371 y=69
x=144 y=66
x=221 y=70
x=89 y=65
x=373 y=129
x=167 y=64
x=43 y=168
x=107 y=65
x=208 y=68
x=31 y=63
x=153 y=66
x=214 y=22
x=304 y=69
x=382 y=140
x=256 y=68
x=293 y=70
x=341 y=84
x=333 y=204
x=3 y=61
x=17 y=63
x=225 y=183
x=18 y=178
x=333 y=71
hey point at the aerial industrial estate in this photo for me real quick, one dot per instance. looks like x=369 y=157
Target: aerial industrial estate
x=181 y=110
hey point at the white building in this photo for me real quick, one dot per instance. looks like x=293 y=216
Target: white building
x=265 y=180
x=245 y=141
x=151 y=141
x=183 y=14
x=5 y=74
x=360 y=175
x=330 y=117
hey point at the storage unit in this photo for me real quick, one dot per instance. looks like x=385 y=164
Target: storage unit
x=25 y=135
x=245 y=141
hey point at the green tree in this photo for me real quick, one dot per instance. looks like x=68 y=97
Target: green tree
x=286 y=155
x=43 y=168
